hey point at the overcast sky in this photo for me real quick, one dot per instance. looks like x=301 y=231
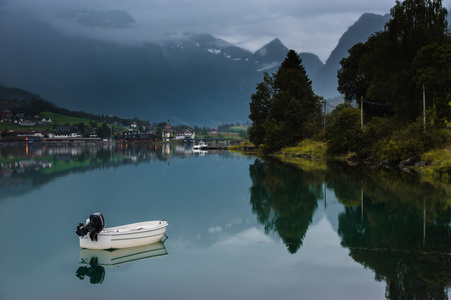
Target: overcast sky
x=304 y=25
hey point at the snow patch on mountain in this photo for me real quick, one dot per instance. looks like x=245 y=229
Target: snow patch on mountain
x=214 y=51
x=231 y=58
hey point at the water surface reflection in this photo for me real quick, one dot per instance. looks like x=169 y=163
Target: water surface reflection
x=268 y=228
x=392 y=224
x=28 y=166
x=94 y=261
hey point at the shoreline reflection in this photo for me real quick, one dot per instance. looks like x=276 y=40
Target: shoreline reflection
x=25 y=167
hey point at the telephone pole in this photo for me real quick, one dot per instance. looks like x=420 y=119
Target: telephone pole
x=424 y=107
x=361 y=112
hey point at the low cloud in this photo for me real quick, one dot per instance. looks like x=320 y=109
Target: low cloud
x=306 y=26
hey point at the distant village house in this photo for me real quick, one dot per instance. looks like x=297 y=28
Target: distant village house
x=184 y=134
x=5 y=115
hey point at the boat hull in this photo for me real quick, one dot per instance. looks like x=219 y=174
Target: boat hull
x=126 y=236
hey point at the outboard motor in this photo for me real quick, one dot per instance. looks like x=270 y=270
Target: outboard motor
x=94 y=225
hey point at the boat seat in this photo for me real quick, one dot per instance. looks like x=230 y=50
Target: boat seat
x=131 y=229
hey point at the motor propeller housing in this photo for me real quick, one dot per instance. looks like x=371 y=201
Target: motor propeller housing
x=94 y=225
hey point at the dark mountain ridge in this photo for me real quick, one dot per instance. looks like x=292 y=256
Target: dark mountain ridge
x=325 y=81
x=9 y=93
x=193 y=79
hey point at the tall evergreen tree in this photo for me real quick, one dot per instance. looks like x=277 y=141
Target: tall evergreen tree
x=284 y=106
x=259 y=109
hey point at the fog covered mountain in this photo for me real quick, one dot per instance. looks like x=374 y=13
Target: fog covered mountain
x=193 y=79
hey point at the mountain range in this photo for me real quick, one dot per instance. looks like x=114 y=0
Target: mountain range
x=189 y=78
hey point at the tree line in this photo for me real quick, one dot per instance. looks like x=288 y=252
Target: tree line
x=384 y=79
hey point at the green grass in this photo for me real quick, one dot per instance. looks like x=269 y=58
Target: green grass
x=239 y=128
x=245 y=147
x=63 y=119
x=13 y=127
x=438 y=165
x=308 y=155
x=57 y=119
x=307 y=147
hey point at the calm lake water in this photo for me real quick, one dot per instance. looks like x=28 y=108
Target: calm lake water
x=239 y=227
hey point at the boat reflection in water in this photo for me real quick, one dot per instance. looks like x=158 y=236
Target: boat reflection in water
x=200 y=152
x=94 y=261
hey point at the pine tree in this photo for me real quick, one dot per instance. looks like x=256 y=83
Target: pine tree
x=284 y=107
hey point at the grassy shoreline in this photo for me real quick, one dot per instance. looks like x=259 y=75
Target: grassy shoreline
x=433 y=166
x=437 y=165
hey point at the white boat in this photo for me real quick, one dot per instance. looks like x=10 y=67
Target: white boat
x=94 y=236
x=201 y=145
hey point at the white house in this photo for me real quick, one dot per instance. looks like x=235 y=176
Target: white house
x=185 y=134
